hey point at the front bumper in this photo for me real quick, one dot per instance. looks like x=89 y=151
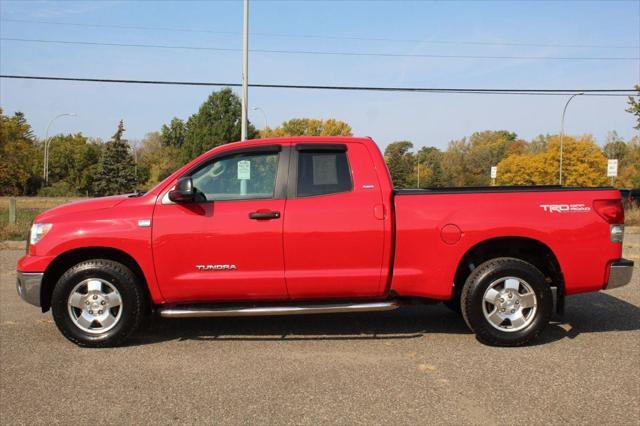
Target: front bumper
x=28 y=285
x=620 y=273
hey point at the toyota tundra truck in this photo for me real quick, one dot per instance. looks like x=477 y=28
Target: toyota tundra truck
x=313 y=225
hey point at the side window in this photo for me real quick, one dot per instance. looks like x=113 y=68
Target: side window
x=323 y=172
x=238 y=177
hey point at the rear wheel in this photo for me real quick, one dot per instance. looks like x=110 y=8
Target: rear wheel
x=506 y=302
x=97 y=303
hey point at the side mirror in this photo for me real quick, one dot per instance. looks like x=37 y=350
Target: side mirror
x=183 y=192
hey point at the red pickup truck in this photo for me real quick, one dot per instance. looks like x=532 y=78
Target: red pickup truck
x=313 y=225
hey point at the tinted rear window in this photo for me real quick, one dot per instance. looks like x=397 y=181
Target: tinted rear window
x=322 y=173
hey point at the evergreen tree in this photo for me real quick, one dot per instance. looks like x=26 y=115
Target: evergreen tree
x=400 y=162
x=116 y=173
x=174 y=133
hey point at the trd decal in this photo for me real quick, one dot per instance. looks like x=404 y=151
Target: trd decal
x=565 y=208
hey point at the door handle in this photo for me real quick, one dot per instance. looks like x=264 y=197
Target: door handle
x=264 y=215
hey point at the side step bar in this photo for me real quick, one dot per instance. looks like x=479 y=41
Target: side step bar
x=202 y=311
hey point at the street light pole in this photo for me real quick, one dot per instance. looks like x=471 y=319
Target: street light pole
x=418 y=166
x=264 y=114
x=245 y=69
x=45 y=171
x=564 y=111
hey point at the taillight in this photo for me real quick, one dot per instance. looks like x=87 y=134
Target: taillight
x=610 y=210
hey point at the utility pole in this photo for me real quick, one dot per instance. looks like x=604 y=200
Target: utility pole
x=562 y=132
x=133 y=146
x=245 y=69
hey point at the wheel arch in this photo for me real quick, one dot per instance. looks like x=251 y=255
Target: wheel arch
x=530 y=250
x=66 y=260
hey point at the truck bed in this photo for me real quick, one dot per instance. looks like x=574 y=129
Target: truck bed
x=491 y=189
x=436 y=228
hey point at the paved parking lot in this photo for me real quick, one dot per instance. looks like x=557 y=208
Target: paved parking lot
x=414 y=365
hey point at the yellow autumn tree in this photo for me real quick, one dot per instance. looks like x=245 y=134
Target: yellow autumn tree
x=308 y=127
x=584 y=165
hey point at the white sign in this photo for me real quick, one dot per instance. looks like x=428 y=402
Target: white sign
x=494 y=172
x=612 y=168
x=244 y=170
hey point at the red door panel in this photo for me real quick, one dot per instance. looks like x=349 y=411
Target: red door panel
x=229 y=246
x=215 y=234
x=334 y=244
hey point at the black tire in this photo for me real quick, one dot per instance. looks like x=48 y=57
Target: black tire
x=120 y=277
x=472 y=301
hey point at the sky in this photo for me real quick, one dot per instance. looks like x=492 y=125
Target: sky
x=464 y=28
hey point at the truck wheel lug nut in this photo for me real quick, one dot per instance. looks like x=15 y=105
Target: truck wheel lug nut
x=102 y=303
x=503 y=309
x=95 y=297
x=86 y=303
x=90 y=312
x=99 y=312
x=501 y=300
x=513 y=311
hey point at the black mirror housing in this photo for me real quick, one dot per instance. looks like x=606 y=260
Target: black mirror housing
x=184 y=192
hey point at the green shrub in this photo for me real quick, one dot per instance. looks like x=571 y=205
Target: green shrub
x=58 y=189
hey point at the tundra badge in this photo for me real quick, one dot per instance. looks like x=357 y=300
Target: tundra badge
x=216 y=267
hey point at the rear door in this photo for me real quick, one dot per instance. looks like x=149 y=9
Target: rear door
x=333 y=224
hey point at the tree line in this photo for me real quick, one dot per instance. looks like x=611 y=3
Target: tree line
x=83 y=166
x=468 y=161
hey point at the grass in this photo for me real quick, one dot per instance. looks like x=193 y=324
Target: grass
x=29 y=207
x=632 y=216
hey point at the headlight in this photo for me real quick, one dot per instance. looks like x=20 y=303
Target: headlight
x=38 y=230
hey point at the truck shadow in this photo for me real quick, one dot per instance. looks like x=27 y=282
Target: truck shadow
x=590 y=313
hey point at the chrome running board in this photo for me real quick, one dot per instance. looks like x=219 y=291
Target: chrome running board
x=203 y=311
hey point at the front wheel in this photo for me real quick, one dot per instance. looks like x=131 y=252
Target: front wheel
x=506 y=302
x=97 y=303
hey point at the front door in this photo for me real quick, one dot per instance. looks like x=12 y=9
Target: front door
x=228 y=244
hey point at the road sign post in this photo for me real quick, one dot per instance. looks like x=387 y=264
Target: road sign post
x=494 y=175
x=612 y=169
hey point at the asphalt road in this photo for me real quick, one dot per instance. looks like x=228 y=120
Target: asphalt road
x=414 y=365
